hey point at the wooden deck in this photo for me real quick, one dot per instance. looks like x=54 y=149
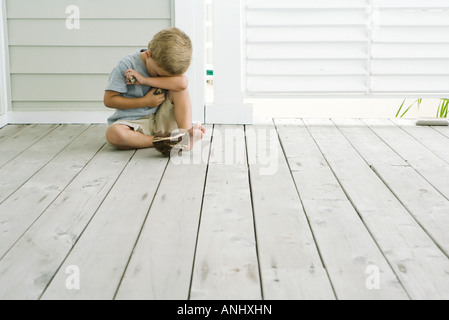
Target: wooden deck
x=287 y=209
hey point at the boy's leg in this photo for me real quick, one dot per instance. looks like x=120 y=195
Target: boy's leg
x=183 y=108
x=125 y=138
x=183 y=115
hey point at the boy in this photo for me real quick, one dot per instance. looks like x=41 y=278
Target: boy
x=144 y=112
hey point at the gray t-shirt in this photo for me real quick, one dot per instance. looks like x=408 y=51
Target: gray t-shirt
x=117 y=83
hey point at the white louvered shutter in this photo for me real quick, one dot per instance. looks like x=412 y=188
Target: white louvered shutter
x=411 y=46
x=360 y=47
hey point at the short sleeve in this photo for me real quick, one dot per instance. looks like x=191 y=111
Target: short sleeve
x=117 y=80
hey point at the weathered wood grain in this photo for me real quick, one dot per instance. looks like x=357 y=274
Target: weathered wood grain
x=103 y=251
x=346 y=246
x=417 y=261
x=290 y=263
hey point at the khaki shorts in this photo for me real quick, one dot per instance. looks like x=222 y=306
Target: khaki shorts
x=161 y=122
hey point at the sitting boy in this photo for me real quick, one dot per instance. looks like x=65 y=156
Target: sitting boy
x=144 y=112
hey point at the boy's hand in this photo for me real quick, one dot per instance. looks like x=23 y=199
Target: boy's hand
x=154 y=101
x=134 y=78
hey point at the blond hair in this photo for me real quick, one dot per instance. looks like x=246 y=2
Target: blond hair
x=171 y=49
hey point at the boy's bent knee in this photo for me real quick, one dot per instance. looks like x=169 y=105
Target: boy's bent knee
x=117 y=135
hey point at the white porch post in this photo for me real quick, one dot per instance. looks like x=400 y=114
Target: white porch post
x=5 y=101
x=190 y=16
x=228 y=106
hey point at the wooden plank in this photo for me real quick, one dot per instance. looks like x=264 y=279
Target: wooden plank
x=226 y=256
x=346 y=246
x=103 y=251
x=31 y=264
x=443 y=130
x=433 y=140
x=430 y=166
x=22 y=140
x=9 y=131
x=228 y=145
x=290 y=264
x=26 y=204
x=98 y=9
x=24 y=166
x=162 y=262
x=419 y=264
x=49 y=32
x=423 y=202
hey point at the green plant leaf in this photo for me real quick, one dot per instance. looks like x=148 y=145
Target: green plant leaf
x=443 y=108
x=400 y=109
x=418 y=101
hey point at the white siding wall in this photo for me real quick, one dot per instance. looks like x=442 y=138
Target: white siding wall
x=57 y=69
x=356 y=47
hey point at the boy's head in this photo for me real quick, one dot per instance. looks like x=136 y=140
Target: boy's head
x=171 y=50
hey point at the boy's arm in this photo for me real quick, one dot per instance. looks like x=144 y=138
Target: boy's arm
x=115 y=100
x=174 y=83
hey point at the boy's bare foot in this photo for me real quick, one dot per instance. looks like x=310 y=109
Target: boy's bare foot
x=196 y=133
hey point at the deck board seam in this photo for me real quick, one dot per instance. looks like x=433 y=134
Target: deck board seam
x=140 y=231
x=86 y=226
x=421 y=142
x=408 y=162
x=50 y=204
x=37 y=141
x=254 y=215
x=393 y=192
x=351 y=201
x=305 y=212
x=201 y=213
x=44 y=164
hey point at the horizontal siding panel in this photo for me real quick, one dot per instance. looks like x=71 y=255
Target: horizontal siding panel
x=411 y=4
x=92 y=32
x=410 y=47
x=409 y=84
x=90 y=9
x=23 y=106
x=58 y=87
x=306 y=84
x=56 y=69
x=410 y=67
x=417 y=17
x=306 y=34
x=411 y=34
x=306 y=51
x=310 y=17
x=338 y=46
x=53 y=60
x=311 y=67
x=305 y=4
x=410 y=51
x=307 y=46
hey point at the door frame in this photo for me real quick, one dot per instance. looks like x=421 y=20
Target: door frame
x=190 y=16
x=5 y=86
